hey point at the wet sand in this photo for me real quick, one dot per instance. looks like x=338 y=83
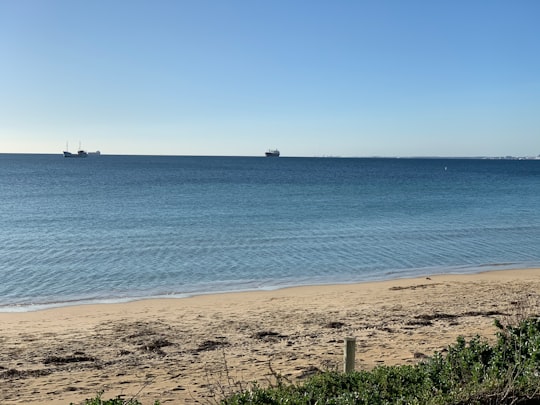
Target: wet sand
x=191 y=350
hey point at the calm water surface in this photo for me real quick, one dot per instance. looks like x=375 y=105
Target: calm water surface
x=113 y=228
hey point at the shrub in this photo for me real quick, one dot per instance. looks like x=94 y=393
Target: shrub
x=114 y=401
x=469 y=373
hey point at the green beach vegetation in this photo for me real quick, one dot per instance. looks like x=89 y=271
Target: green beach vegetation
x=472 y=372
x=468 y=372
x=114 y=401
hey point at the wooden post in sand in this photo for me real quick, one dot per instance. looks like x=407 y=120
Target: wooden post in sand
x=349 y=350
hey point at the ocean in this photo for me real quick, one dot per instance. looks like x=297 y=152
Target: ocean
x=119 y=228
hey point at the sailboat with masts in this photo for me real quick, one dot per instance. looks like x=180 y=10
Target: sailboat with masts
x=80 y=153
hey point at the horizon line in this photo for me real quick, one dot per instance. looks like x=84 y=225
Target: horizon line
x=500 y=157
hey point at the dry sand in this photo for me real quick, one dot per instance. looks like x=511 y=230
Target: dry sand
x=182 y=350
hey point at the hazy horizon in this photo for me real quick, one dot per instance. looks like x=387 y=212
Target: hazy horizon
x=101 y=153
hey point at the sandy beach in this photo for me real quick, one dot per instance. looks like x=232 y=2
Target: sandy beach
x=186 y=350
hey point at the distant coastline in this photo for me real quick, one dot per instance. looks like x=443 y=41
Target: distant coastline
x=99 y=153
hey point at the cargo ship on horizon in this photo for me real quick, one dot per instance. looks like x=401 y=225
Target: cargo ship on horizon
x=272 y=153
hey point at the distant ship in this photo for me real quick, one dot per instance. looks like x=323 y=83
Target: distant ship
x=272 y=153
x=80 y=153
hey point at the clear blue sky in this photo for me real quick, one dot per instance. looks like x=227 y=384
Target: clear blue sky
x=198 y=77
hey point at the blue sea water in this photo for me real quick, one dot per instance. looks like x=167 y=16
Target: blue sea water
x=113 y=228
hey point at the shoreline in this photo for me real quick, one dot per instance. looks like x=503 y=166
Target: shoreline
x=411 y=274
x=180 y=350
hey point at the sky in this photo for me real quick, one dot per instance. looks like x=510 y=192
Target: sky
x=309 y=77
